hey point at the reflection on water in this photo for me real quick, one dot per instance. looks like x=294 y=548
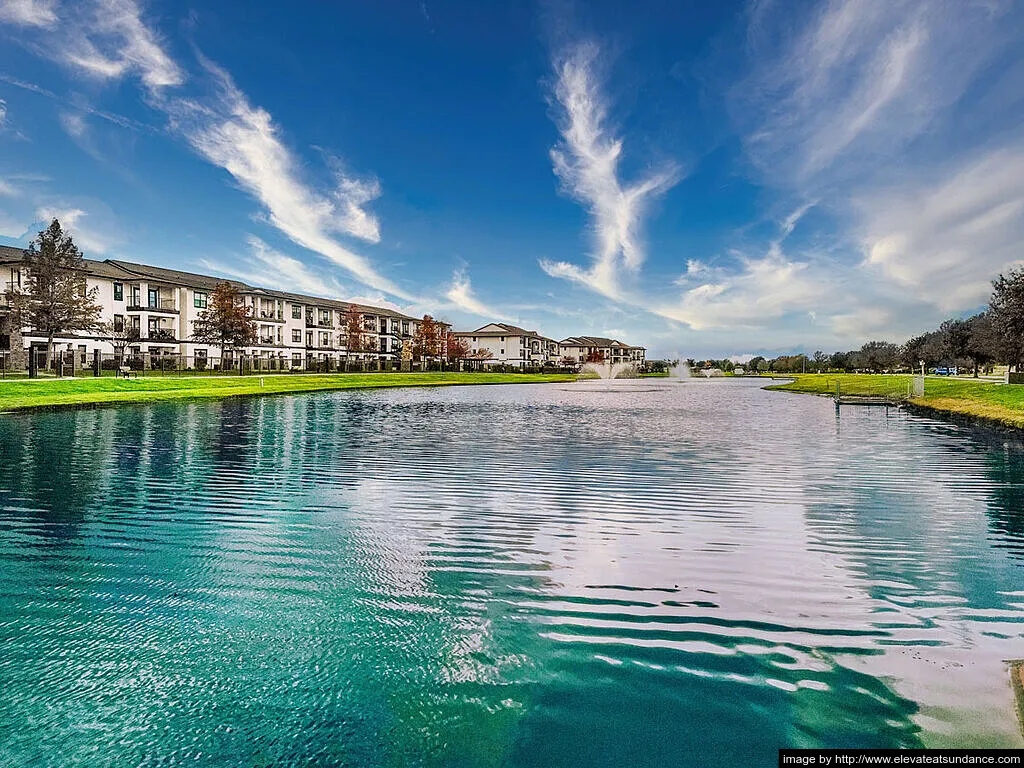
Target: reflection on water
x=693 y=573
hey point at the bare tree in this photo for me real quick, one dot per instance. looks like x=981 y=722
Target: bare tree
x=226 y=322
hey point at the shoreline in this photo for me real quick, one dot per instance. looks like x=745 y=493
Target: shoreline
x=76 y=394
x=969 y=402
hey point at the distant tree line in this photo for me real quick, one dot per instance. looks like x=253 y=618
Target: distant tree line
x=975 y=343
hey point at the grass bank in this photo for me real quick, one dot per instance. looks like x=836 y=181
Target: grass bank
x=21 y=395
x=985 y=401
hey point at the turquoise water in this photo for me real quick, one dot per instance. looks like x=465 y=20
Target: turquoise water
x=671 y=573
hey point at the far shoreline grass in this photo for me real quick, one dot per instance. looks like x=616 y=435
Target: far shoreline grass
x=20 y=396
x=981 y=401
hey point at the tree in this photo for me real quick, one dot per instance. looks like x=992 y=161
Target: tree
x=956 y=340
x=820 y=358
x=983 y=346
x=354 y=331
x=927 y=348
x=757 y=364
x=595 y=356
x=426 y=342
x=226 y=323
x=878 y=356
x=58 y=300
x=1006 y=309
x=456 y=347
x=568 y=362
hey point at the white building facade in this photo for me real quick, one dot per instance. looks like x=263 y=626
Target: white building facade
x=510 y=345
x=581 y=348
x=294 y=331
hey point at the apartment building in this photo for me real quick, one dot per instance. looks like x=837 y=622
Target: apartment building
x=580 y=348
x=510 y=345
x=294 y=331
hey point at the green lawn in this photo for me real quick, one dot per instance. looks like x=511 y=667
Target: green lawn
x=1002 y=403
x=16 y=395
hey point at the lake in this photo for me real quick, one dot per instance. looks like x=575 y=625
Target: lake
x=630 y=573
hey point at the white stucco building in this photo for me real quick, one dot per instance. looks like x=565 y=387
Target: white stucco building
x=511 y=345
x=580 y=348
x=294 y=331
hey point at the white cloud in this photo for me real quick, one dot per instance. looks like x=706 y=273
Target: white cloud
x=265 y=267
x=29 y=13
x=244 y=141
x=108 y=40
x=847 y=91
x=947 y=237
x=73 y=124
x=761 y=291
x=92 y=239
x=285 y=271
x=587 y=163
x=460 y=294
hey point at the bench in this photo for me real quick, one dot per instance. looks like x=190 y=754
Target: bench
x=127 y=372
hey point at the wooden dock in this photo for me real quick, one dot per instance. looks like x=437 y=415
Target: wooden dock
x=866 y=400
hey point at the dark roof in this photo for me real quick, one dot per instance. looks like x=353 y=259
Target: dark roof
x=507 y=330
x=595 y=341
x=9 y=254
x=195 y=280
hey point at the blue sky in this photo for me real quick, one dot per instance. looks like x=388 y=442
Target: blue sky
x=702 y=178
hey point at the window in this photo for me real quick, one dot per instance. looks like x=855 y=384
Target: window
x=201 y=353
x=296 y=335
x=296 y=311
x=503 y=351
x=154 y=297
x=118 y=323
x=82 y=354
x=309 y=338
x=118 y=291
x=199 y=299
x=296 y=360
x=405 y=327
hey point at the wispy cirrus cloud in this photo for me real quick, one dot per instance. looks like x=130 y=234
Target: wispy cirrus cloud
x=94 y=236
x=861 y=107
x=244 y=140
x=109 y=40
x=29 y=13
x=945 y=238
x=586 y=162
x=460 y=294
x=266 y=267
x=845 y=89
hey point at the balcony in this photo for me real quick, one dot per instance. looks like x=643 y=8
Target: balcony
x=163 y=305
x=161 y=334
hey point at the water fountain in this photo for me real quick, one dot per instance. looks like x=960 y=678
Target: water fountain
x=680 y=371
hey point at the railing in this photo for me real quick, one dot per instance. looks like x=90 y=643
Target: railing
x=162 y=305
x=161 y=334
